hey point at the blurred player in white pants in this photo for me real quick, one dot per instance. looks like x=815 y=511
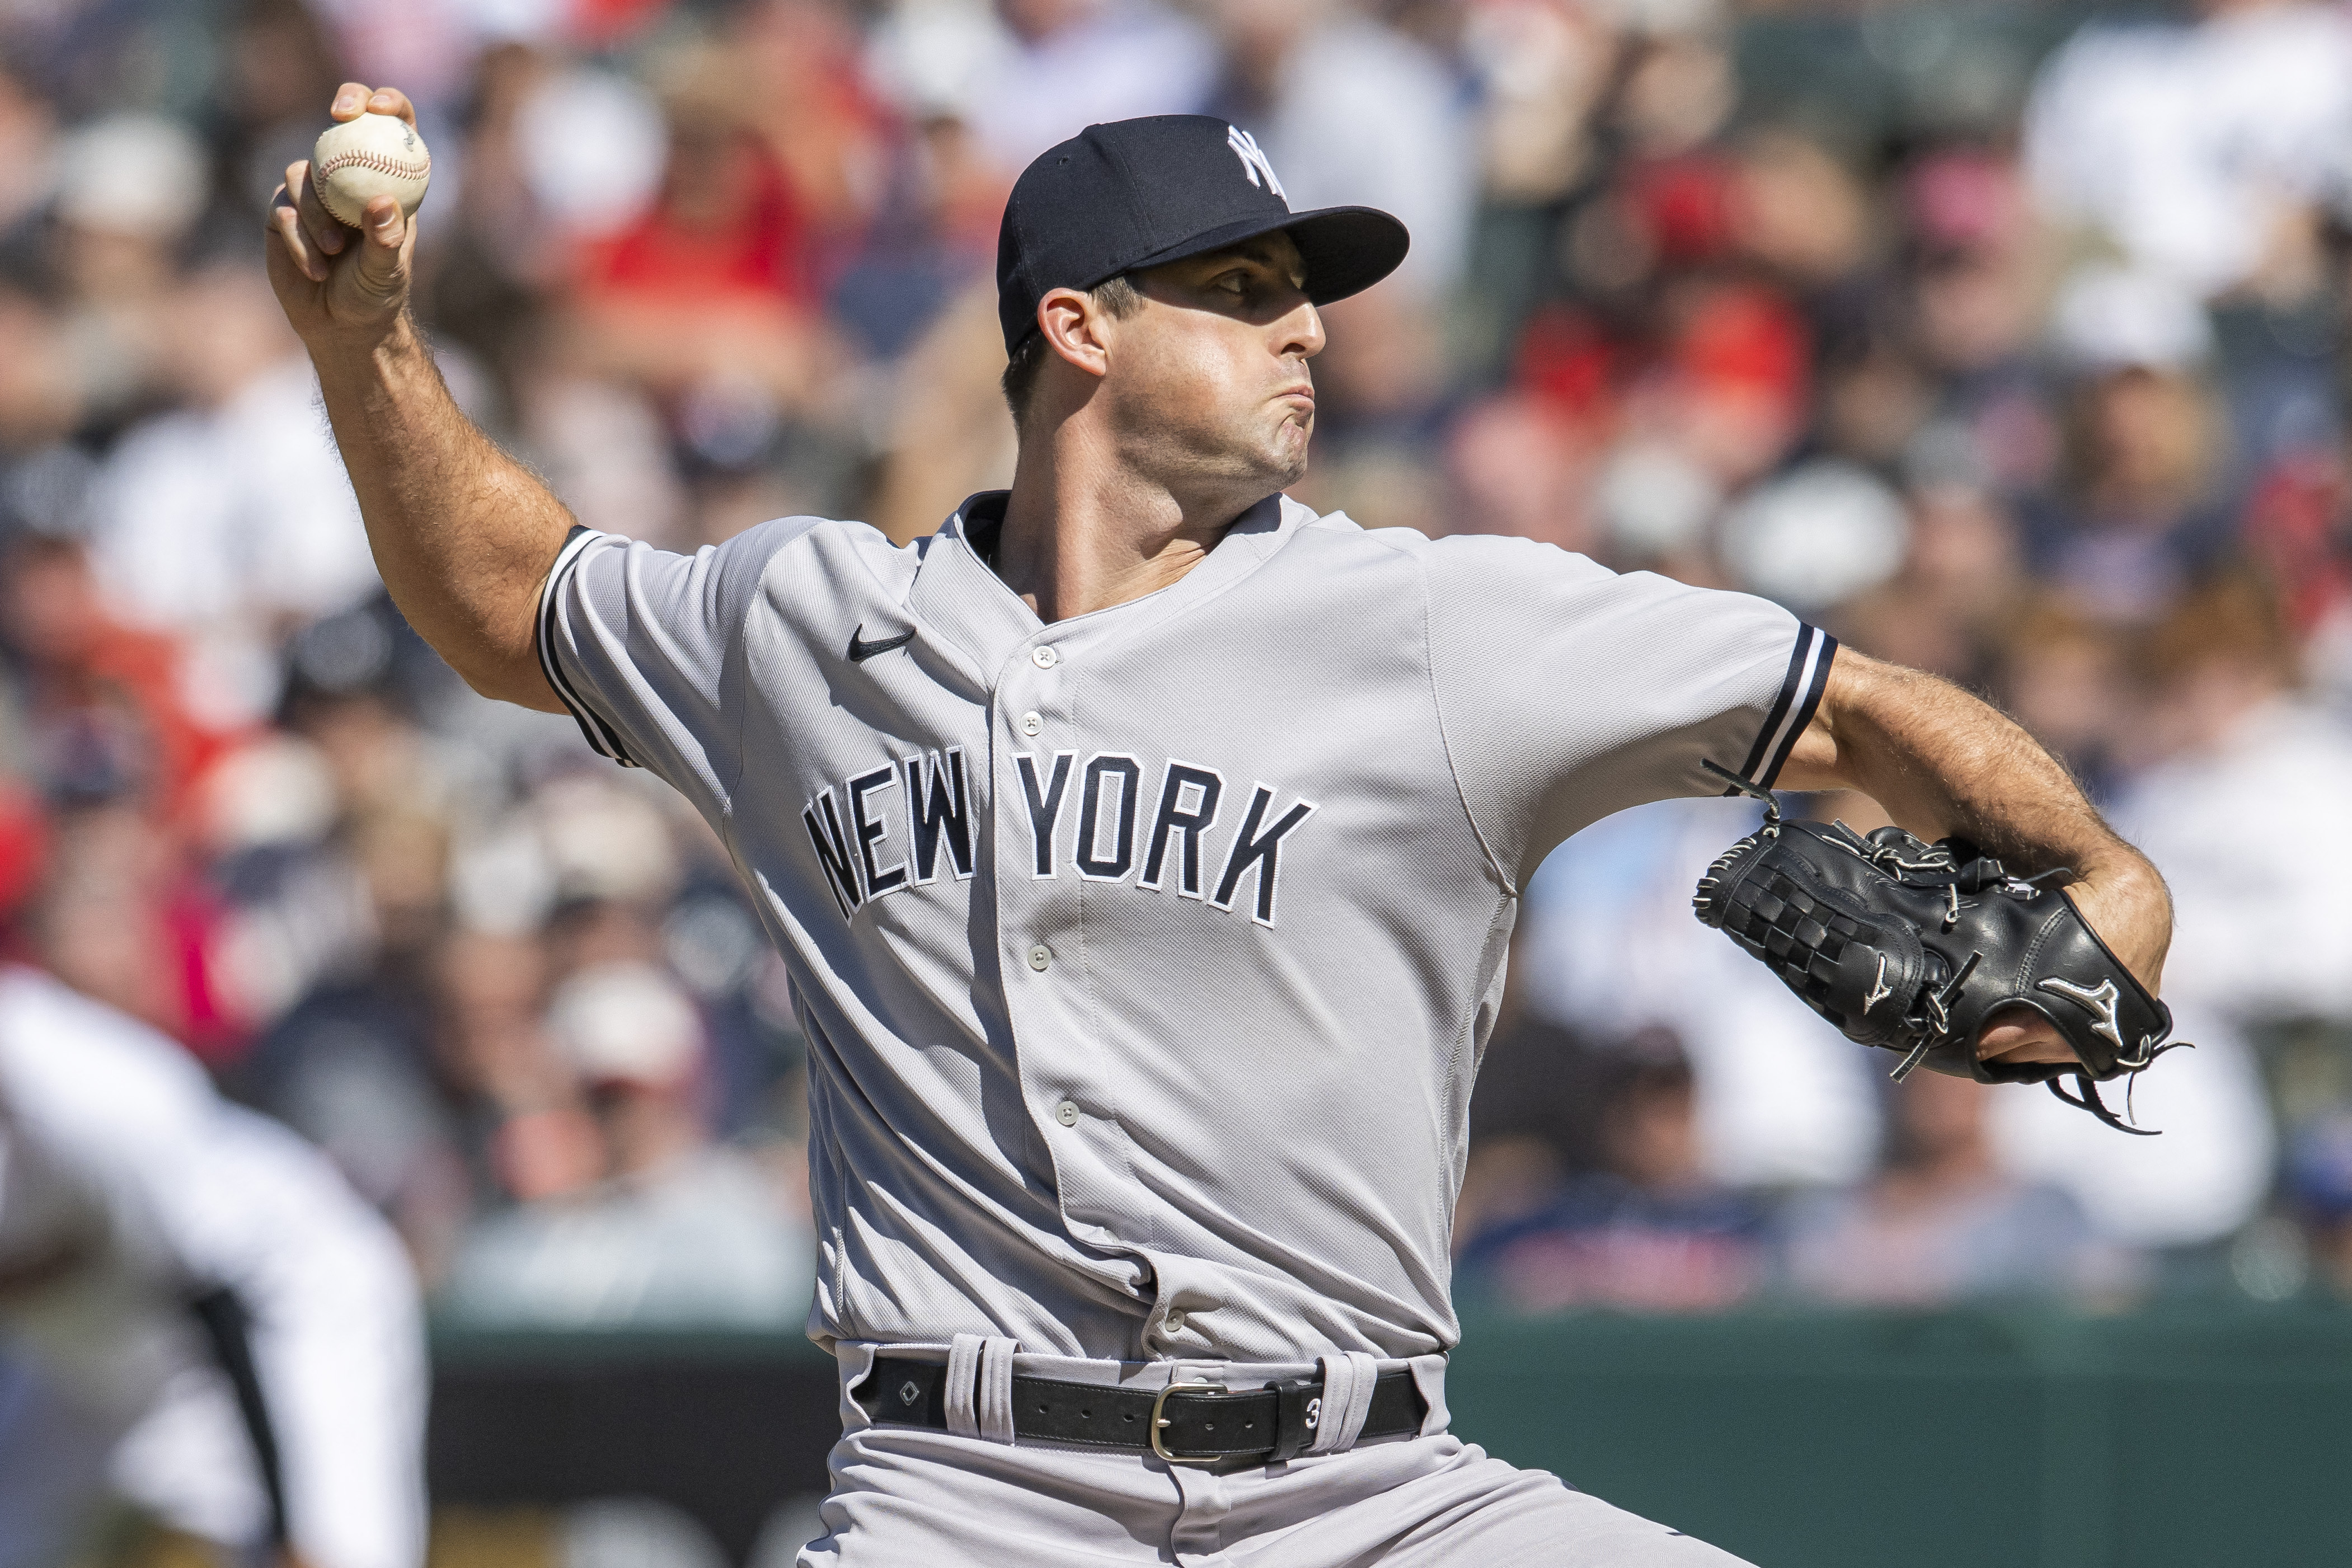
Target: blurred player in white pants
x=152 y=1237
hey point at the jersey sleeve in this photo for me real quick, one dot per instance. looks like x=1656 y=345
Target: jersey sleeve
x=639 y=643
x=1567 y=691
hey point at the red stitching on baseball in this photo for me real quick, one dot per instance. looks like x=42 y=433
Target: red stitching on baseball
x=383 y=163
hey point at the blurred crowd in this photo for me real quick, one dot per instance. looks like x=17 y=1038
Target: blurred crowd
x=2010 y=341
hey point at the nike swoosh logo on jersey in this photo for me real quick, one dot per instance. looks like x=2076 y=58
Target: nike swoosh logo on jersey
x=859 y=652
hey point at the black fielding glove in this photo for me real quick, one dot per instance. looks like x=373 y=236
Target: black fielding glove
x=1912 y=946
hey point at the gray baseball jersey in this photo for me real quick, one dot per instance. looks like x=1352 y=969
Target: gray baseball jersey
x=1146 y=958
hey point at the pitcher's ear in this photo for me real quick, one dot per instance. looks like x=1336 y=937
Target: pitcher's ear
x=1073 y=324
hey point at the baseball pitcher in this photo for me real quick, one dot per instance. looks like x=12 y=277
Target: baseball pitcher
x=1145 y=849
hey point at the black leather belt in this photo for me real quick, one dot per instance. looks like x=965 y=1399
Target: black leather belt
x=1184 y=1423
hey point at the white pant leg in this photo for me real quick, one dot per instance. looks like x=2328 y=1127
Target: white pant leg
x=908 y=1496
x=1433 y=1502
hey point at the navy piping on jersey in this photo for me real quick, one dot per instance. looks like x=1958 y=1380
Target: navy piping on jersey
x=1800 y=693
x=601 y=735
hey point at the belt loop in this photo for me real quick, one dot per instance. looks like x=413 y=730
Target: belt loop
x=1428 y=1377
x=963 y=1367
x=1347 y=1380
x=994 y=1391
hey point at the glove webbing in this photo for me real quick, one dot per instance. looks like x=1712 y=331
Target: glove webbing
x=1800 y=939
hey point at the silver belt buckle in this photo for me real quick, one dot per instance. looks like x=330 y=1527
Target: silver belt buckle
x=1159 y=1422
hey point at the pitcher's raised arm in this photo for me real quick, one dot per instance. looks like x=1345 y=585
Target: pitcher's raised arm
x=463 y=534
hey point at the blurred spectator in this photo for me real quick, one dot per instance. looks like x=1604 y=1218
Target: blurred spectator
x=1807 y=217
x=529 y=1133
x=933 y=230
x=128 y=189
x=1062 y=65
x=951 y=433
x=1646 y=1231
x=1535 y=1115
x=1948 y=607
x=2319 y=1187
x=101 y=727
x=1608 y=946
x=279 y=66
x=2193 y=146
x=1350 y=111
x=1816 y=536
x=230 y=521
x=2298 y=527
x=332 y=838
x=2207 y=1176
x=27 y=133
x=2141 y=513
x=709 y=302
x=105 y=707
x=676 y=1230
x=1941 y=1223
x=1974 y=311
x=2260 y=934
x=814 y=104
x=2065 y=677
x=121 y=918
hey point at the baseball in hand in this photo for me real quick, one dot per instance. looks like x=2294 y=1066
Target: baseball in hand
x=359 y=160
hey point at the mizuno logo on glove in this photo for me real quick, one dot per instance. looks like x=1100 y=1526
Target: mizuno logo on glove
x=2103 y=1001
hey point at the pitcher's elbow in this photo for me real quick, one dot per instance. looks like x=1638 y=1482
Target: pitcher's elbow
x=521 y=682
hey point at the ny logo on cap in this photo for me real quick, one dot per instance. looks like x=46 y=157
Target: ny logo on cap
x=1253 y=160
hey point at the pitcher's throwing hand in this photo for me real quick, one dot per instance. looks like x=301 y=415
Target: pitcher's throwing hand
x=335 y=281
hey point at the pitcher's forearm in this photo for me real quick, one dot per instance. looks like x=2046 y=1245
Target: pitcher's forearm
x=463 y=534
x=1942 y=762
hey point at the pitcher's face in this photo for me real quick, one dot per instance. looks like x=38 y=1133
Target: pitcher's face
x=1208 y=382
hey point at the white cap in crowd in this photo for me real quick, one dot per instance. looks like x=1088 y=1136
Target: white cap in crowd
x=626 y=1023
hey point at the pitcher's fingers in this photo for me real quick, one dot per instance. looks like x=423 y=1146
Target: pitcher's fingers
x=384 y=231
x=392 y=102
x=328 y=237
x=350 y=100
x=2020 y=1035
x=381 y=268
x=286 y=225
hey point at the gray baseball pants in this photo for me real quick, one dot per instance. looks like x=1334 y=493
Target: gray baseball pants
x=911 y=1496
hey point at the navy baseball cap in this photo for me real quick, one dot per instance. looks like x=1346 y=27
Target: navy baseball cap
x=1138 y=193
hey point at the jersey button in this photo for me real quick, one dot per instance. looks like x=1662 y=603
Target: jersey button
x=1043 y=657
x=1031 y=723
x=1067 y=1113
x=1175 y=1320
x=1040 y=957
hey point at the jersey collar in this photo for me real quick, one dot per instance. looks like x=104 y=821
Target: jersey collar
x=958 y=596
